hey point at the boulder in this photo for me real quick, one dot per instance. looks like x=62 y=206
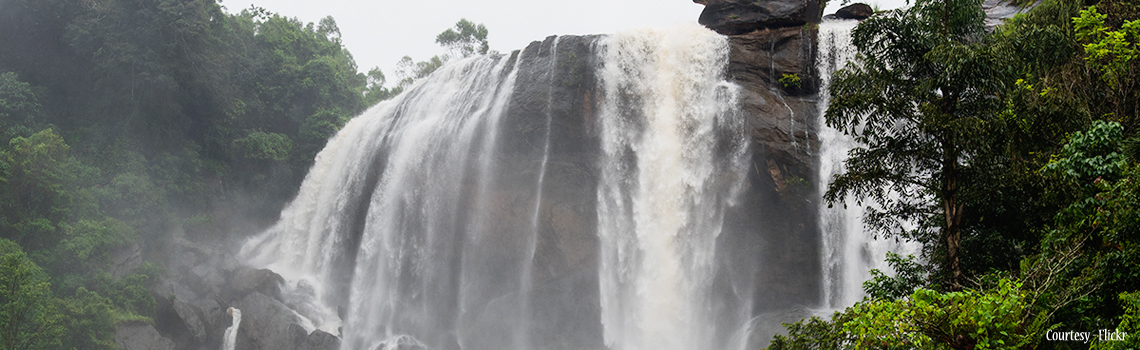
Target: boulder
x=213 y=316
x=266 y=324
x=141 y=336
x=191 y=319
x=732 y=17
x=247 y=279
x=317 y=340
x=859 y=11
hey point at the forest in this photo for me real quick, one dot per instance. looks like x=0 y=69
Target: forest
x=125 y=123
x=1011 y=155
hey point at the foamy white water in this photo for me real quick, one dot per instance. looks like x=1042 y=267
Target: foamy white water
x=425 y=222
x=229 y=338
x=663 y=186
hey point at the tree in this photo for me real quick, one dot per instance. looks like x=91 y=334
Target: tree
x=1113 y=54
x=38 y=189
x=19 y=107
x=999 y=318
x=920 y=99
x=375 y=91
x=409 y=70
x=27 y=316
x=466 y=39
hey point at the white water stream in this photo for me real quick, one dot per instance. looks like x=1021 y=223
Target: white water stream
x=849 y=252
x=427 y=224
x=229 y=338
x=664 y=186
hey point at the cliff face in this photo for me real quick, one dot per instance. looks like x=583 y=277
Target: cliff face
x=767 y=256
x=772 y=56
x=734 y=17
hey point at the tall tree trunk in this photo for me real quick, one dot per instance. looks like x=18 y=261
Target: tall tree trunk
x=952 y=210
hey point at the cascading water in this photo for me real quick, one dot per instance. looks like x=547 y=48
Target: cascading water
x=664 y=186
x=229 y=338
x=849 y=252
x=571 y=195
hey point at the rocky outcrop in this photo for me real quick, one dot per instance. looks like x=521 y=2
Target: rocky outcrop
x=859 y=11
x=771 y=235
x=317 y=340
x=246 y=280
x=998 y=11
x=774 y=61
x=731 y=17
x=192 y=299
x=267 y=324
x=141 y=336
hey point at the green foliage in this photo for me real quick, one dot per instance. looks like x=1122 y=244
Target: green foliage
x=918 y=98
x=263 y=145
x=1129 y=323
x=1001 y=318
x=409 y=71
x=909 y=276
x=129 y=294
x=27 y=316
x=1091 y=155
x=38 y=190
x=19 y=107
x=89 y=320
x=376 y=92
x=466 y=39
x=816 y=334
x=1110 y=51
x=790 y=81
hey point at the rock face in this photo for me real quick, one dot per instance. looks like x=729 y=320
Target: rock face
x=192 y=300
x=731 y=17
x=774 y=240
x=773 y=57
x=859 y=11
x=141 y=336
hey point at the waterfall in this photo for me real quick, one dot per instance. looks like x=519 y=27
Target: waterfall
x=849 y=252
x=229 y=338
x=566 y=196
x=664 y=185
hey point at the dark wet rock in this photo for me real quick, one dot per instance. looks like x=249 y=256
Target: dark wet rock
x=317 y=340
x=782 y=118
x=141 y=336
x=191 y=319
x=731 y=17
x=167 y=290
x=201 y=268
x=247 y=279
x=859 y=11
x=266 y=324
x=564 y=277
x=778 y=210
x=213 y=316
x=998 y=11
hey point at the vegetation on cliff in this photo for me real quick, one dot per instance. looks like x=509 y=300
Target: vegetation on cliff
x=1015 y=154
x=124 y=123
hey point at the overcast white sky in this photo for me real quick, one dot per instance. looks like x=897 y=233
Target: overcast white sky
x=380 y=32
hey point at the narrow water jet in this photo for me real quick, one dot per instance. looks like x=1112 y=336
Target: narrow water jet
x=229 y=338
